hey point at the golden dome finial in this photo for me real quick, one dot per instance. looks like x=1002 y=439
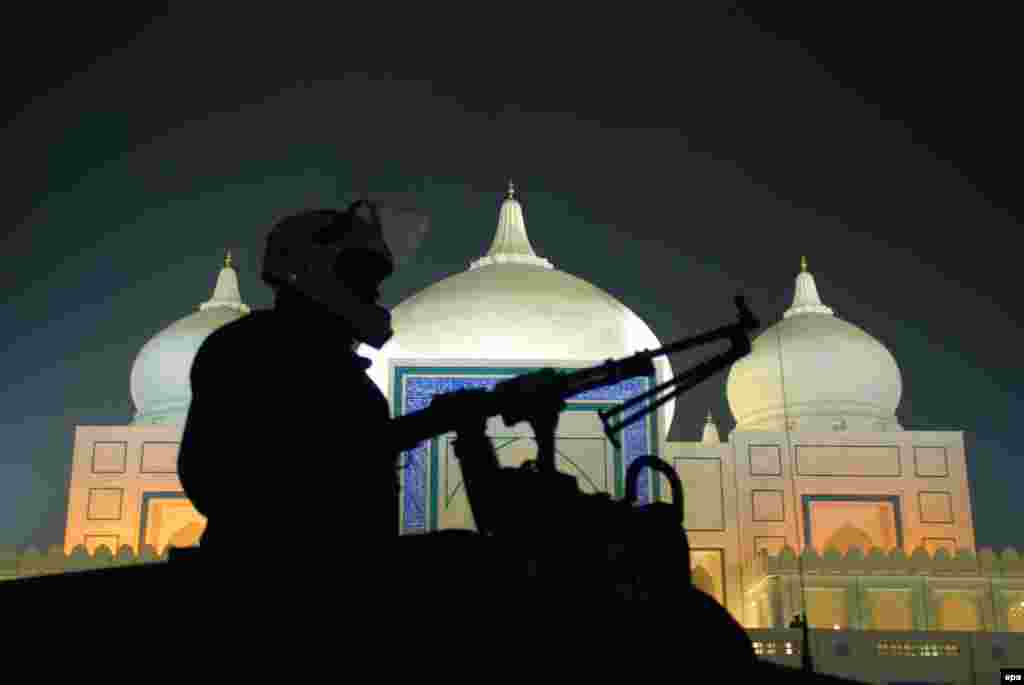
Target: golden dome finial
x=511 y=190
x=227 y=260
x=803 y=263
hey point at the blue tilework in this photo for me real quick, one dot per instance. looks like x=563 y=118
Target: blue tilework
x=422 y=383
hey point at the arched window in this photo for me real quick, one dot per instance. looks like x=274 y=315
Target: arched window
x=849 y=536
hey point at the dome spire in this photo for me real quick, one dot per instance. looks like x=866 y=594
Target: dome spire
x=226 y=292
x=511 y=244
x=710 y=436
x=805 y=297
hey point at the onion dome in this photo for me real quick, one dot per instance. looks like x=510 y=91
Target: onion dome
x=160 y=385
x=817 y=371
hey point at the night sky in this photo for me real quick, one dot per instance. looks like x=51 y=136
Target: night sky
x=670 y=160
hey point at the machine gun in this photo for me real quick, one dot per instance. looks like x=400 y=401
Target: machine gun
x=560 y=526
x=537 y=511
x=539 y=397
x=561 y=523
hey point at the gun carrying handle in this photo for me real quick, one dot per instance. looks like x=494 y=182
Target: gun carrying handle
x=652 y=462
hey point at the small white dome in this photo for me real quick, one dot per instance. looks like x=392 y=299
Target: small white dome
x=834 y=376
x=513 y=305
x=160 y=385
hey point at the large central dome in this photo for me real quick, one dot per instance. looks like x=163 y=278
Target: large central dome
x=512 y=305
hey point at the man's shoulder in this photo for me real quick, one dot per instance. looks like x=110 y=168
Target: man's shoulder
x=236 y=341
x=255 y=320
x=264 y=335
x=260 y=323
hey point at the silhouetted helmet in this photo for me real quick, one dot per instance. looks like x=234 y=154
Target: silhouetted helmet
x=337 y=259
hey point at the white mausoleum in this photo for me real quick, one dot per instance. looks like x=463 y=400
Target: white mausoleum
x=818 y=457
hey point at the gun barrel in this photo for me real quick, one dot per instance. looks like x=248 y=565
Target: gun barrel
x=513 y=399
x=609 y=373
x=516 y=399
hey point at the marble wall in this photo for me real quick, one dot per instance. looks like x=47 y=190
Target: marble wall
x=125 y=490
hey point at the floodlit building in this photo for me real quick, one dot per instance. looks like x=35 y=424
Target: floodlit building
x=818 y=460
x=124 y=479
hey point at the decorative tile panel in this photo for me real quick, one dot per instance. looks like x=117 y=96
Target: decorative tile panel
x=936 y=507
x=931 y=462
x=109 y=457
x=847 y=460
x=105 y=504
x=161 y=457
x=416 y=386
x=765 y=460
x=768 y=505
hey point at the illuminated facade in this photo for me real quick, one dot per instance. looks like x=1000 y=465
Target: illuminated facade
x=888 y=591
x=817 y=459
x=765 y=490
x=124 y=479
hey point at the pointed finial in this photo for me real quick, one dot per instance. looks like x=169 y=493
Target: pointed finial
x=805 y=295
x=225 y=292
x=511 y=244
x=710 y=436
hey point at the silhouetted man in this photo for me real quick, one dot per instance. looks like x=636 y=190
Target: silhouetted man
x=281 y=445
